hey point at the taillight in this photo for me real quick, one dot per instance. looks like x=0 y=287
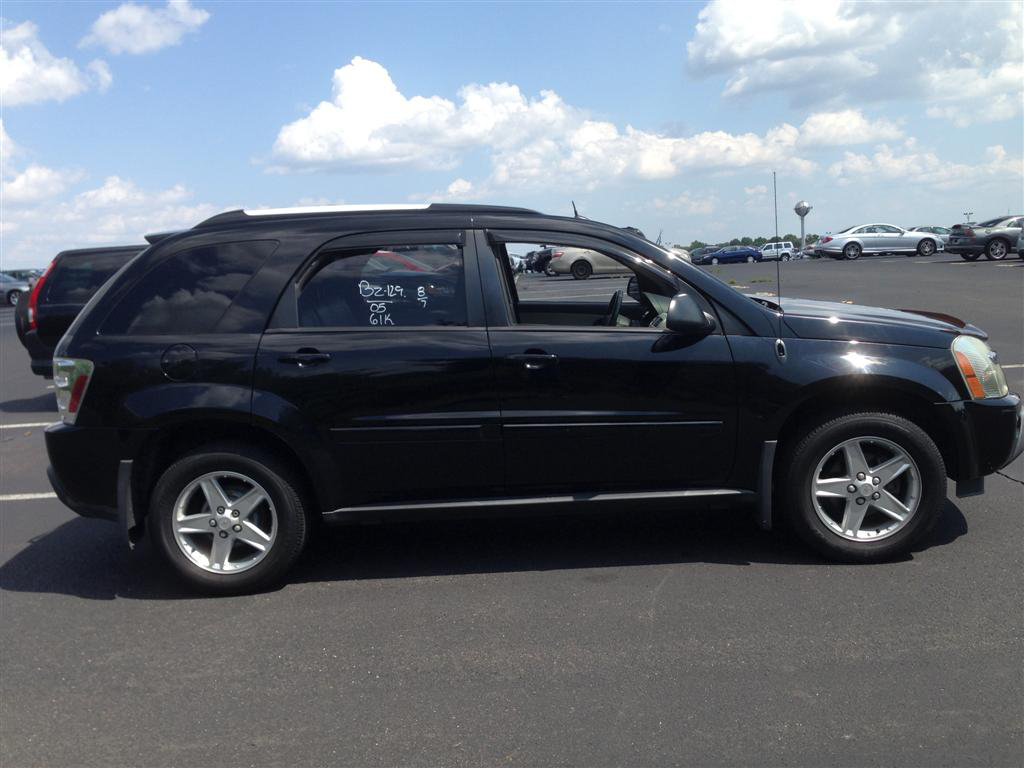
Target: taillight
x=70 y=380
x=33 y=297
x=557 y=255
x=826 y=240
x=969 y=232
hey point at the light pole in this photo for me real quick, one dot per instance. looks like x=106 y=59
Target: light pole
x=967 y=215
x=802 y=209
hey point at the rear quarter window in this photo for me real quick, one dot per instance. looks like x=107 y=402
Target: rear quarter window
x=76 y=278
x=188 y=292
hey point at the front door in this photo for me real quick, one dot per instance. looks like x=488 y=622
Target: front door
x=594 y=403
x=382 y=353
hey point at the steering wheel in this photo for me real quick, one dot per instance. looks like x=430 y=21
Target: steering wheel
x=611 y=317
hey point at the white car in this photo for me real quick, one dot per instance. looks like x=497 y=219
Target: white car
x=783 y=251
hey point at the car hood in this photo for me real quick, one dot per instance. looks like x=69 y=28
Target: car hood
x=834 y=320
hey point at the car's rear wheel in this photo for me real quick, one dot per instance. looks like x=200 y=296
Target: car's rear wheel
x=13 y=297
x=970 y=256
x=863 y=487
x=581 y=270
x=996 y=249
x=229 y=518
x=852 y=251
x=926 y=247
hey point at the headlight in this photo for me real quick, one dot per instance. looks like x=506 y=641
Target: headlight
x=982 y=374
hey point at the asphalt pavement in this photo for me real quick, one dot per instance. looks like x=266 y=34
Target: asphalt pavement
x=669 y=639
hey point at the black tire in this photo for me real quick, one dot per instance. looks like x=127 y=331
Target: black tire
x=997 y=249
x=276 y=478
x=800 y=463
x=13 y=297
x=581 y=270
x=970 y=256
x=926 y=247
x=852 y=251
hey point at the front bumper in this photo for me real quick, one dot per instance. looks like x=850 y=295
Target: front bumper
x=987 y=435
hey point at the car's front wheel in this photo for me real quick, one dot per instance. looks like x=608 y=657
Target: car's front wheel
x=926 y=247
x=863 y=487
x=996 y=249
x=714 y=259
x=852 y=251
x=228 y=518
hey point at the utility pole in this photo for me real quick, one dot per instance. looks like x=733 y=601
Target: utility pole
x=967 y=215
x=775 y=194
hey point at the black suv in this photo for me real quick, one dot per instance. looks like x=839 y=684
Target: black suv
x=58 y=296
x=240 y=380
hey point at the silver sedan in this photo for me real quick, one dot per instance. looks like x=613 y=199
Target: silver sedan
x=853 y=242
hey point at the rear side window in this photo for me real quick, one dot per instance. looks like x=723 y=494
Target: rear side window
x=188 y=292
x=76 y=278
x=399 y=286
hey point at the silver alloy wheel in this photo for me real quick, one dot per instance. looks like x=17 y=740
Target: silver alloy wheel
x=224 y=522
x=714 y=260
x=852 y=251
x=927 y=247
x=13 y=298
x=997 y=250
x=866 y=489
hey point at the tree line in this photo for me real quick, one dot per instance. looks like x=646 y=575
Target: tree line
x=754 y=242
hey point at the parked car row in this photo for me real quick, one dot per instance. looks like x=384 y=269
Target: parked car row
x=13 y=289
x=996 y=239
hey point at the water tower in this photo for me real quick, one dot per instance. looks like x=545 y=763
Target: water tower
x=802 y=209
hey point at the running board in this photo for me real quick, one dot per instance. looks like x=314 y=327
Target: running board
x=575 y=502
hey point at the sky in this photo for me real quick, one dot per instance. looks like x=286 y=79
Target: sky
x=125 y=118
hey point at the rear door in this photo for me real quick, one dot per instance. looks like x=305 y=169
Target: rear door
x=379 y=348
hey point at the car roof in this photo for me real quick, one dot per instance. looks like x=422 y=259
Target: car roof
x=329 y=211
x=76 y=252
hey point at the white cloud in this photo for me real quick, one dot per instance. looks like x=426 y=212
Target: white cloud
x=29 y=73
x=459 y=190
x=37 y=183
x=848 y=126
x=118 y=211
x=958 y=61
x=369 y=123
x=686 y=203
x=132 y=28
x=911 y=165
x=8 y=148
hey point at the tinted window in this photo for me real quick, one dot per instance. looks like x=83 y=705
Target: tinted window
x=190 y=291
x=76 y=278
x=401 y=286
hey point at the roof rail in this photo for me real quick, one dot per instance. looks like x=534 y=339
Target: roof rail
x=156 y=237
x=334 y=210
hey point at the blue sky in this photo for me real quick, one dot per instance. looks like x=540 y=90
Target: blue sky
x=123 y=118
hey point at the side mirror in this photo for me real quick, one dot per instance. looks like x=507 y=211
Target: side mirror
x=686 y=316
x=633 y=288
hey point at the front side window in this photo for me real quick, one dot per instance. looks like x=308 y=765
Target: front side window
x=188 y=292
x=590 y=287
x=388 y=286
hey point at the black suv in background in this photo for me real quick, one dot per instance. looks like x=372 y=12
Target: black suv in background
x=58 y=296
x=265 y=369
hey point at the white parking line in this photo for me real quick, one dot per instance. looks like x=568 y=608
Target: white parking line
x=27 y=496
x=26 y=426
x=1013 y=365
